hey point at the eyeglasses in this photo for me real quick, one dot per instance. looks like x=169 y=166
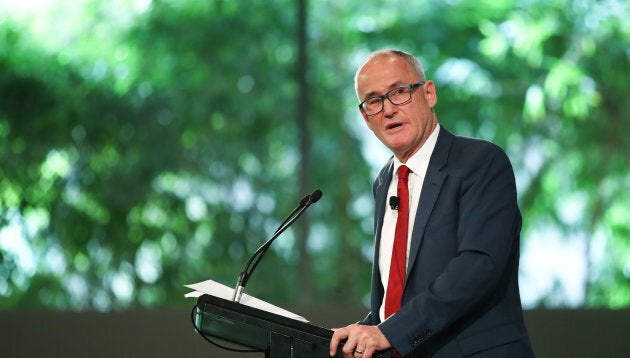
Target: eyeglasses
x=399 y=95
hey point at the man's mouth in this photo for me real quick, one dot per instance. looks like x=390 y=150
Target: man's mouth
x=393 y=126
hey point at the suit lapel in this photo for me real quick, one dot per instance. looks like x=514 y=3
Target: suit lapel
x=380 y=197
x=381 y=186
x=430 y=190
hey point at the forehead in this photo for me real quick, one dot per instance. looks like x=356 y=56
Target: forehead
x=382 y=73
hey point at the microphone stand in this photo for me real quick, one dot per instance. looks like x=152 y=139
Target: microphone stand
x=253 y=261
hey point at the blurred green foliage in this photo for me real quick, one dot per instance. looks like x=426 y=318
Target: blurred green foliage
x=147 y=145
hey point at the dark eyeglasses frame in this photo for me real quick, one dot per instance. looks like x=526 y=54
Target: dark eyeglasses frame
x=386 y=95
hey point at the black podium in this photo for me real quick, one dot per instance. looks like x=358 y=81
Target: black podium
x=277 y=336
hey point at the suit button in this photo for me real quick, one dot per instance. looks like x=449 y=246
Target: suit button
x=422 y=337
x=425 y=334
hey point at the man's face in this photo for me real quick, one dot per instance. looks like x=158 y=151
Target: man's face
x=402 y=128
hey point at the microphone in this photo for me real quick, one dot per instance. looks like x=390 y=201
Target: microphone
x=394 y=202
x=253 y=261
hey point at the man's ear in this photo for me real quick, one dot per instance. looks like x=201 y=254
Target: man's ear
x=429 y=93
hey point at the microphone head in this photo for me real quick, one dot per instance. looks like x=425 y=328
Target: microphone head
x=315 y=196
x=305 y=200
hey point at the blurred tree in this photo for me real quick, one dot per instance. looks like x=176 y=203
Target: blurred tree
x=170 y=174
x=145 y=148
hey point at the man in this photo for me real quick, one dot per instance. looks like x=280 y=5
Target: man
x=447 y=230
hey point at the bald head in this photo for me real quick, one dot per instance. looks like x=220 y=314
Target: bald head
x=391 y=53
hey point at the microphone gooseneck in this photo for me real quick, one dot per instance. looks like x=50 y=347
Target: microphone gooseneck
x=253 y=261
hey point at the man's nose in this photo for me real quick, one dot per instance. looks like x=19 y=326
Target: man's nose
x=388 y=107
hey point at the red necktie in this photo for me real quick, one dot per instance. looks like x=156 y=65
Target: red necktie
x=398 y=266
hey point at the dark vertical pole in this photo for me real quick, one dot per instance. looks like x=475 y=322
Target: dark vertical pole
x=305 y=265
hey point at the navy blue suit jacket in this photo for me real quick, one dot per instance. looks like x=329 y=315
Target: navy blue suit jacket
x=461 y=295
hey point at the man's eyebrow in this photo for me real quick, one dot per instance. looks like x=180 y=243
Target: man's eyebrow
x=391 y=87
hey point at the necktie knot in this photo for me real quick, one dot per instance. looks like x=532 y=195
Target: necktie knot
x=403 y=172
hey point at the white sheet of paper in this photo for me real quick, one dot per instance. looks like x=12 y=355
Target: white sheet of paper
x=216 y=289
